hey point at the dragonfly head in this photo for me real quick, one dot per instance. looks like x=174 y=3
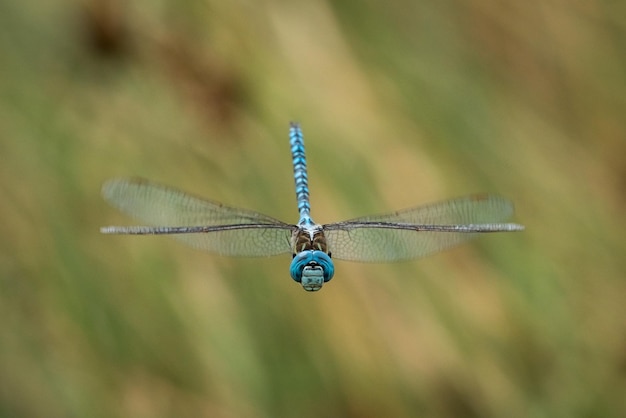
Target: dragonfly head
x=312 y=269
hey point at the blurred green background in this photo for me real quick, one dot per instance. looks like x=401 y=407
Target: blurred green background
x=401 y=104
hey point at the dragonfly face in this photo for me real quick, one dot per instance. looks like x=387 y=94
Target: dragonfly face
x=312 y=269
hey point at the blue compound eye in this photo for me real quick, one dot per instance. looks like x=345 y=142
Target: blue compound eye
x=312 y=269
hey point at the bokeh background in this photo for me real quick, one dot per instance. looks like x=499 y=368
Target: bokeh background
x=401 y=104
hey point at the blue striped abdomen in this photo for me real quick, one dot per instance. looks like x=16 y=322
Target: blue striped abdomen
x=300 y=174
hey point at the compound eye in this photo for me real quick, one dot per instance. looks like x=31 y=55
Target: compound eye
x=314 y=260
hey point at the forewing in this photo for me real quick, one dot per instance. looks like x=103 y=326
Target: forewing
x=164 y=206
x=351 y=241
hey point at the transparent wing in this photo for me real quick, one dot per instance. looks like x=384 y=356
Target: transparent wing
x=417 y=232
x=212 y=226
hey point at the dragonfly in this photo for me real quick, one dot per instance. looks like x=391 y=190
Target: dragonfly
x=212 y=226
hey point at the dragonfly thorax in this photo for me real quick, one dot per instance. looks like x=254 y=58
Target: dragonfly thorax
x=309 y=238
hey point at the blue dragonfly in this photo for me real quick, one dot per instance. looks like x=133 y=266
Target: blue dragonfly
x=212 y=226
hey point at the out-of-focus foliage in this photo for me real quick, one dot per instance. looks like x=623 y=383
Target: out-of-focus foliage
x=401 y=103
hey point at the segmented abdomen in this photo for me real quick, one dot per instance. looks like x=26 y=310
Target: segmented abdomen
x=300 y=172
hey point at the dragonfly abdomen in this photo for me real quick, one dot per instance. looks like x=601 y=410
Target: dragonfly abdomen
x=300 y=172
